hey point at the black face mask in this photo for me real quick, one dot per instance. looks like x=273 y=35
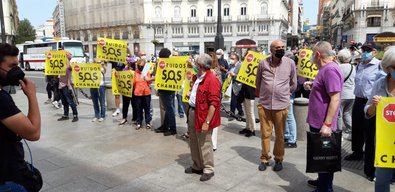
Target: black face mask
x=279 y=53
x=140 y=68
x=13 y=76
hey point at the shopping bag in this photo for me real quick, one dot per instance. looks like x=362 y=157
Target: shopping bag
x=228 y=92
x=323 y=153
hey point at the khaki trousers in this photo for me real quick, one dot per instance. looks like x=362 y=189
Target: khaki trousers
x=270 y=119
x=250 y=115
x=201 y=146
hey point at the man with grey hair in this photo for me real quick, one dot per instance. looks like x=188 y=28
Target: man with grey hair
x=324 y=102
x=347 y=95
x=275 y=81
x=223 y=64
x=203 y=117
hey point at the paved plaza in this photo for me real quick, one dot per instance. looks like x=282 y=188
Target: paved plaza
x=86 y=156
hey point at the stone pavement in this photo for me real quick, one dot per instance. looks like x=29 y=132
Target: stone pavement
x=86 y=156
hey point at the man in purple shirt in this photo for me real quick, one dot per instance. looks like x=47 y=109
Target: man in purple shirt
x=324 y=101
x=275 y=81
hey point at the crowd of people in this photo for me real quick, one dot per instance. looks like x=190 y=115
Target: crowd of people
x=343 y=96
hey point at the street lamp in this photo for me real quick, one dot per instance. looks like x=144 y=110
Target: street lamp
x=219 y=39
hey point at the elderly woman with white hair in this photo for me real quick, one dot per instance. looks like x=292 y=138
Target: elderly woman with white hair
x=203 y=117
x=347 y=95
x=384 y=87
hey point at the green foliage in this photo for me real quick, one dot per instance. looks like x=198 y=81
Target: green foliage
x=25 y=32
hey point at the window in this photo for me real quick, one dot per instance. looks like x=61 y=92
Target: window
x=210 y=11
x=125 y=34
x=158 y=12
x=264 y=8
x=374 y=22
x=177 y=12
x=226 y=10
x=193 y=11
x=243 y=9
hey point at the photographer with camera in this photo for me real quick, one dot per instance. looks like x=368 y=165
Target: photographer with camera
x=15 y=126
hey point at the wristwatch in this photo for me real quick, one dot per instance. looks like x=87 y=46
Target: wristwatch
x=208 y=122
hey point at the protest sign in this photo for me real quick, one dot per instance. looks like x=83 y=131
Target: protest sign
x=385 y=133
x=111 y=50
x=249 y=68
x=87 y=75
x=55 y=62
x=170 y=73
x=305 y=67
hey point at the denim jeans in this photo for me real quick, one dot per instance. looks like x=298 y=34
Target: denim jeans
x=181 y=110
x=169 y=124
x=143 y=107
x=235 y=105
x=98 y=97
x=325 y=179
x=384 y=177
x=345 y=115
x=67 y=100
x=290 y=125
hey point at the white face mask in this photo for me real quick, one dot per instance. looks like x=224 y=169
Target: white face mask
x=232 y=61
x=144 y=57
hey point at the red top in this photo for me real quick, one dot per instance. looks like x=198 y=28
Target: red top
x=208 y=93
x=140 y=86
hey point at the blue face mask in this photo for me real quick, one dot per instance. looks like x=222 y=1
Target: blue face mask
x=366 y=56
x=392 y=74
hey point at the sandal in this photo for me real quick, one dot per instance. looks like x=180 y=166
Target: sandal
x=123 y=122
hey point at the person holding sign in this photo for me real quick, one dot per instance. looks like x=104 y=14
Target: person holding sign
x=142 y=93
x=275 y=81
x=66 y=92
x=99 y=96
x=236 y=87
x=203 y=116
x=384 y=87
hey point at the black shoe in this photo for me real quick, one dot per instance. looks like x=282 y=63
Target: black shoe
x=206 y=176
x=291 y=145
x=286 y=140
x=250 y=133
x=312 y=183
x=169 y=133
x=354 y=157
x=244 y=131
x=191 y=170
x=231 y=118
x=75 y=119
x=159 y=130
x=371 y=179
x=263 y=166
x=63 y=118
x=278 y=166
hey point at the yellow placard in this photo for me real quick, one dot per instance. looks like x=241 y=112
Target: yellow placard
x=152 y=67
x=385 y=133
x=305 y=67
x=55 y=62
x=226 y=84
x=249 y=68
x=111 y=50
x=125 y=83
x=87 y=75
x=187 y=85
x=114 y=82
x=170 y=73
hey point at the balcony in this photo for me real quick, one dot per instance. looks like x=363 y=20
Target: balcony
x=262 y=17
x=157 y=1
x=193 y=19
x=176 y=0
x=157 y=20
x=176 y=19
x=226 y=18
x=242 y=18
x=209 y=19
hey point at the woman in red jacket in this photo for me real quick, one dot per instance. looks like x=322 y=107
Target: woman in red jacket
x=203 y=116
x=142 y=93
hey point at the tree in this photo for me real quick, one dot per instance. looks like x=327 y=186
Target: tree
x=25 y=32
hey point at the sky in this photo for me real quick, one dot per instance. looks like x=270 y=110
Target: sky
x=310 y=8
x=36 y=11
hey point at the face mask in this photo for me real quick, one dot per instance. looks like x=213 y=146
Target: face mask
x=12 y=77
x=219 y=56
x=140 y=68
x=366 y=57
x=232 y=61
x=143 y=57
x=279 y=53
x=393 y=74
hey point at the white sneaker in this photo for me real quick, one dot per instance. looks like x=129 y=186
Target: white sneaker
x=56 y=104
x=116 y=113
x=48 y=101
x=94 y=119
x=101 y=120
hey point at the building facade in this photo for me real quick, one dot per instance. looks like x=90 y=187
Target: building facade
x=363 y=19
x=11 y=19
x=183 y=25
x=45 y=30
x=58 y=17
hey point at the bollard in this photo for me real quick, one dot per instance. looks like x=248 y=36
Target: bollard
x=300 y=112
x=110 y=97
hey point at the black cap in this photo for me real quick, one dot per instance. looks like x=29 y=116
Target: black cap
x=369 y=46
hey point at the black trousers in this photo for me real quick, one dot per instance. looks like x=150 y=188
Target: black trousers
x=370 y=133
x=359 y=124
x=126 y=101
